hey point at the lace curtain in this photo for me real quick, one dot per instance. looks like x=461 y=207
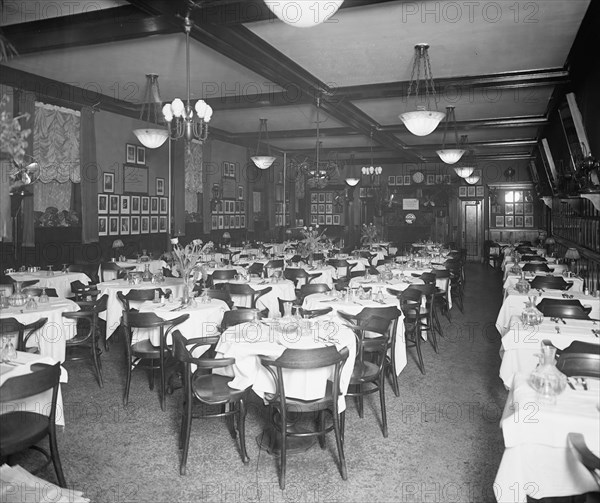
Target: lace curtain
x=193 y=176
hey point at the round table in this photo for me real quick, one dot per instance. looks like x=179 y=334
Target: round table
x=60 y=281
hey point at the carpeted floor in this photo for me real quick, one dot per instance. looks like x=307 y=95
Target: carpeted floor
x=444 y=440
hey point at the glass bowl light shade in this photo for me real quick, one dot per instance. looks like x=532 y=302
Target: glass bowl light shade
x=263 y=161
x=352 y=182
x=464 y=171
x=151 y=138
x=301 y=14
x=422 y=122
x=450 y=155
x=472 y=180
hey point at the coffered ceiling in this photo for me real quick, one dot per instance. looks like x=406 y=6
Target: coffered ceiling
x=500 y=64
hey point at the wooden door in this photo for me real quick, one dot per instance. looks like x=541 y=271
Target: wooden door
x=472 y=229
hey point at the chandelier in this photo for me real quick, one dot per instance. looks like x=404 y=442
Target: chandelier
x=151 y=137
x=182 y=121
x=263 y=161
x=450 y=155
x=374 y=172
x=303 y=14
x=422 y=121
x=467 y=167
x=318 y=172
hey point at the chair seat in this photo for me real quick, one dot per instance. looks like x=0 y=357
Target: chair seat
x=363 y=372
x=20 y=429
x=297 y=405
x=144 y=349
x=214 y=389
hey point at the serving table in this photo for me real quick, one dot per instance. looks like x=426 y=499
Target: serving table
x=61 y=281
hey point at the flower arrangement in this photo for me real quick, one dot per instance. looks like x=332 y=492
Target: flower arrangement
x=187 y=258
x=370 y=234
x=313 y=239
x=13 y=139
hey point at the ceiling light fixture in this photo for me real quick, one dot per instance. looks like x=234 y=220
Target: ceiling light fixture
x=303 y=14
x=182 y=121
x=151 y=137
x=450 y=155
x=473 y=179
x=371 y=170
x=263 y=161
x=466 y=167
x=422 y=121
x=352 y=181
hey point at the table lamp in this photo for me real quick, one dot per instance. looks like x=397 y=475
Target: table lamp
x=117 y=247
x=549 y=244
x=226 y=238
x=572 y=254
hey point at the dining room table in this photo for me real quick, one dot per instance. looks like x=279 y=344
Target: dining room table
x=60 y=281
x=51 y=338
x=155 y=266
x=511 y=279
x=112 y=315
x=538 y=461
x=514 y=304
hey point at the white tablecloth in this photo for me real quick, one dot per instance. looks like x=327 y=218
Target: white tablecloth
x=52 y=336
x=246 y=342
x=154 y=266
x=114 y=307
x=58 y=280
x=514 y=304
x=538 y=461
x=284 y=289
x=511 y=280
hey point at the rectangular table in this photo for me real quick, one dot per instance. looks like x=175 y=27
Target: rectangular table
x=61 y=281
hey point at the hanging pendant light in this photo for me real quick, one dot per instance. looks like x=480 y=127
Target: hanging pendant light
x=450 y=155
x=151 y=137
x=303 y=14
x=422 y=121
x=263 y=161
x=467 y=165
x=371 y=170
x=473 y=179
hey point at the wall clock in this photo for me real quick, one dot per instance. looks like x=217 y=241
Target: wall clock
x=418 y=177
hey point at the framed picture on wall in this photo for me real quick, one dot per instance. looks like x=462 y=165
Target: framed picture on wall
x=164 y=204
x=135 y=225
x=240 y=193
x=125 y=205
x=160 y=186
x=220 y=221
x=135 y=204
x=313 y=208
x=144 y=225
x=391 y=180
x=399 y=180
x=130 y=153
x=114 y=204
x=162 y=224
x=328 y=219
x=329 y=208
x=518 y=208
x=231 y=222
x=321 y=197
x=153 y=224
x=528 y=220
x=336 y=220
x=124 y=228
x=321 y=219
x=499 y=221
x=479 y=191
x=108 y=182
x=321 y=208
x=314 y=198
x=243 y=221
x=113 y=226
x=329 y=197
x=471 y=191
x=509 y=209
x=102 y=226
x=145 y=201
x=509 y=221
x=462 y=191
x=102 y=204
x=153 y=206
x=141 y=155
x=406 y=180
x=430 y=180
x=528 y=207
x=519 y=221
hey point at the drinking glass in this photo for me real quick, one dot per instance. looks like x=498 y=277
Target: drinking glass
x=44 y=299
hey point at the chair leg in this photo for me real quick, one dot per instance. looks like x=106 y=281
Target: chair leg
x=340 y=443
x=431 y=330
x=183 y=420
x=151 y=374
x=360 y=403
x=384 y=425
x=127 y=381
x=95 y=358
x=419 y=354
x=163 y=384
x=391 y=367
x=283 y=453
x=228 y=407
x=242 y=430
x=321 y=427
x=187 y=421
x=56 y=458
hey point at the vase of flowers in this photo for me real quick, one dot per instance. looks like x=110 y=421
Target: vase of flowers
x=312 y=242
x=370 y=234
x=186 y=261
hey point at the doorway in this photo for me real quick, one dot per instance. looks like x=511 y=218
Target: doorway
x=472 y=229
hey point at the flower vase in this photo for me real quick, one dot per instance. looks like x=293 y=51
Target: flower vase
x=546 y=379
x=311 y=259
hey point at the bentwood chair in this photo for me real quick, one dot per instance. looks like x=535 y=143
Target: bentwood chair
x=23 y=331
x=551 y=283
x=311 y=288
x=426 y=319
x=586 y=457
x=283 y=407
x=89 y=331
x=296 y=275
x=215 y=294
x=90 y=270
x=203 y=391
x=142 y=354
x=410 y=304
x=239 y=316
x=115 y=269
x=83 y=292
x=23 y=429
x=529 y=267
x=533 y=258
x=244 y=296
x=314 y=313
x=273 y=265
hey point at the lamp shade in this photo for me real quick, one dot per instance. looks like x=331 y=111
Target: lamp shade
x=263 y=161
x=117 y=243
x=550 y=241
x=352 y=182
x=421 y=122
x=472 y=180
x=464 y=171
x=572 y=254
x=450 y=155
x=151 y=138
x=301 y=14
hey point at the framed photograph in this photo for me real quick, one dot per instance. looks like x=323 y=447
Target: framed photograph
x=125 y=205
x=214 y=222
x=528 y=220
x=509 y=221
x=237 y=221
x=160 y=186
x=399 y=180
x=314 y=220
x=321 y=208
x=102 y=226
x=313 y=208
x=144 y=225
x=499 y=221
x=278 y=220
x=145 y=201
x=124 y=226
x=329 y=208
x=221 y=221
x=528 y=207
x=243 y=221
x=391 y=180
x=430 y=180
x=462 y=191
x=153 y=224
x=328 y=219
x=411 y=204
x=439 y=179
x=135 y=204
x=114 y=204
x=519 y=221
x=154 y=205
x=321 y=220
x=518 y=208
x=226 y=222
x=108 y=182
x=479 y=191
x=164 y=205
x=130 y=153
x=329 y=197
x=162 y=224
x=102 y=204
x=336 y=220
x=406 y=180
x=242 y=206
x=240 y=194
x=135 y=179
x=471 y=191
x=362 y=192
x=509 y=209
x=447 y=179
x=321 y=197
x=135 y=225
x=141 y=155
x=314 y=197
x=231 y=222
x=238 y=207
x=113 y=226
